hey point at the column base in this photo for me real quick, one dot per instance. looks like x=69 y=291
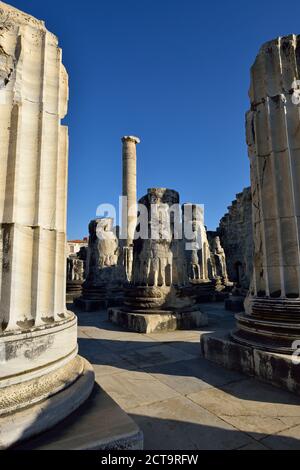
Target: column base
x=235 y=303
x=204 y=291
x=70 y=298
x=74 y=290
x=99 y=424
x=143 y=321
x=34 y=406
x=274 y=325
x=93 y=298
x=115 y=297
x=90 y=305
x=280 y=370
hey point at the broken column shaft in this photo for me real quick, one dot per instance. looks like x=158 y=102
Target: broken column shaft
x=42 y=379
x=272 y=321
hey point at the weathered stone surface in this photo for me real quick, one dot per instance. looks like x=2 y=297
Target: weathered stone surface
x=235 y=303
x=75 y=277
x=181 y=424
x=153 y=257
x=221 y=349
x=194 y=235
x=274 y=368
x=99 y=424
x=41 y=378
x=218 y=268
x=105 y=272
x=218 y=260
x=159 y=379
x=197 y=257
x=31 y=407
x=272 y=319
x=235 y=232
x=145 y=322
x=75 y=269
x=251 y=414
x=159 y=297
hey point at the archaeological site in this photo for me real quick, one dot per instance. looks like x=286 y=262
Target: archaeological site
x=173 y=323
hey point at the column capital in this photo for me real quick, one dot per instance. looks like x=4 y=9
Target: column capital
x=131 y=138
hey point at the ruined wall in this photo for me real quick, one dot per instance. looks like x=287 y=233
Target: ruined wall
x=235 y=232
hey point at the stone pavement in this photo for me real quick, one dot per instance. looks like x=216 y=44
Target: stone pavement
x=179 y=399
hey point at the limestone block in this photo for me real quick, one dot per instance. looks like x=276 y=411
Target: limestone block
x=159 y=321
x=274 y=368
x=223 y=351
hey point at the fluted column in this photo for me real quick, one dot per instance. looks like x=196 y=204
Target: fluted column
x=273 y=136
x=33 y=186
x=38 y=337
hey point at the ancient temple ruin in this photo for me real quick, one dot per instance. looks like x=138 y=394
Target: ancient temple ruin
x=236 y=235
x=162 y=270
x=273 y=137
x=169 y=263
x=197 y=254
x=235 y=232
x=267 y=334
x=42 y=379
x=159 y=296
x=104 y=270
x=164 y=267
x=76 y=273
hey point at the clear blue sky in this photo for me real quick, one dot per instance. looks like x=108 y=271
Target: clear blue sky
x=173 y=72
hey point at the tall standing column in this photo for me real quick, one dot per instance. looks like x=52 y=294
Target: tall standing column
x=272 y=320
x=129 y=186
x=129 y=208
x=42 y=379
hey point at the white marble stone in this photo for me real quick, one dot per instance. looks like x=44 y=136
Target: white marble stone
x=38 y=337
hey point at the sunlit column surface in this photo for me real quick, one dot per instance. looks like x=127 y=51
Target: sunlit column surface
x=38 y=337
x=273 y=137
